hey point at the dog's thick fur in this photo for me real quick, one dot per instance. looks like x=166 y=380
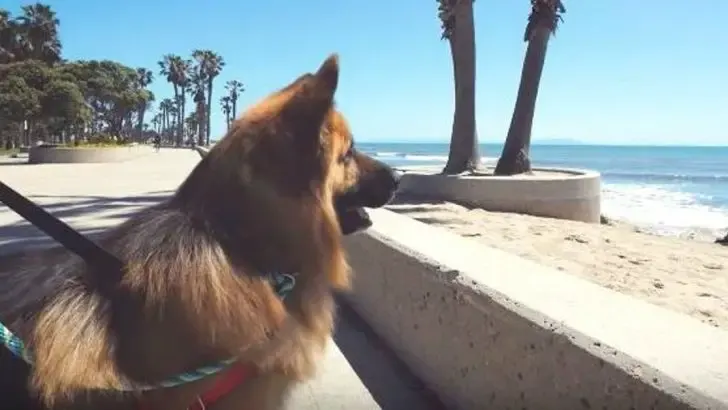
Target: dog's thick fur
x=273 y=195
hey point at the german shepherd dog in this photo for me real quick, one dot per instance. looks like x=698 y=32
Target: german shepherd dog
x=275 y=195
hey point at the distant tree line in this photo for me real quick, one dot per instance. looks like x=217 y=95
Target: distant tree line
x=194 y=78
x=46 y=98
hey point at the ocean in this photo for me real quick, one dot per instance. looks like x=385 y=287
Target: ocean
x=666 y=190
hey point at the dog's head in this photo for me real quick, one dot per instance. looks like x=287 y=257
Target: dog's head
x=296 y=139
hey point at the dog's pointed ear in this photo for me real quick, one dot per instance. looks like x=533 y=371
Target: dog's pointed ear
x=314 y=98
x=327 y=77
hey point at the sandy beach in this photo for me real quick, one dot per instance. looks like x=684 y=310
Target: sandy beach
x=686 y=275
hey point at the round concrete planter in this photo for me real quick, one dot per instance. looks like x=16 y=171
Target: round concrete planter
x=67 y=155
x=557 y=193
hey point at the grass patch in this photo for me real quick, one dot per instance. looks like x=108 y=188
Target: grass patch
x=96 y=145
x=6 y=152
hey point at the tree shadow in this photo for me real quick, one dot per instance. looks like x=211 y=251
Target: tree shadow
x=438 y=221
x=412 y=199
x=420 y=208
x=411 y=203
x=23 y=234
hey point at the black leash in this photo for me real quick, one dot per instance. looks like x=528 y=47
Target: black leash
x=94 y=255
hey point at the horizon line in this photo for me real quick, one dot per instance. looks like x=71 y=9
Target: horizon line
x=553 y=143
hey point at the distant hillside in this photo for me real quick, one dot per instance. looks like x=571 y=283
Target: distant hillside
x=557 y=141
x=540 y=141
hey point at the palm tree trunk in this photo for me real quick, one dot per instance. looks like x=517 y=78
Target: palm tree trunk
x=140 y=131
x=163 y=122
x=176 y=98
x=181 y=120
x=201 y=123
x=515 y=158
x=234 y=112
x=464 y=155
x=209 y=110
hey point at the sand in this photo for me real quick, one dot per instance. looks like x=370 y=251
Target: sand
x=688 y=276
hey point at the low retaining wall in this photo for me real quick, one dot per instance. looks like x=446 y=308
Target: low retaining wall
x=64 y=155
x=487 y=329
x=565 y=194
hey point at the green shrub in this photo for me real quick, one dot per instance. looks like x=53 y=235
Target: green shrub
x=101 y=140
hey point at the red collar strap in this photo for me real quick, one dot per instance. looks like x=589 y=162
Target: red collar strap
x=233 y=377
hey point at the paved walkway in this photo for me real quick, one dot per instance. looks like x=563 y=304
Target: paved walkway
x=359 y=373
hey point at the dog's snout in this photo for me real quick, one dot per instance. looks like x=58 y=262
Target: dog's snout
x=377 y=185
x=382 y=185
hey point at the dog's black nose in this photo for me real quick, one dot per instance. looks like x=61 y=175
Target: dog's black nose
x=388 y=179
x=396 y=176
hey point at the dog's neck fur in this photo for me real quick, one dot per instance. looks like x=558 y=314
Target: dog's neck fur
x=250 y=218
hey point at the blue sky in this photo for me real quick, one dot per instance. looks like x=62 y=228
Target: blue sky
x=618 y=71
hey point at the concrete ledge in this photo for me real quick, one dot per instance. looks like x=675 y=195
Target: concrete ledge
x=487 y=329
x=562 y=193
x=67 y=155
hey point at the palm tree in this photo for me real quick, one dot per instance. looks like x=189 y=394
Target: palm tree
x=458 y=27
x=542 y=23
x=235 y=88
x=174 y=110
x=191 y=126
x=156 y=120
x=8 y=37
x=226 y=104
x=144 y=78
x=175 y=69
x=199 y=86
x=211 y=63
x=39 y=33
x=166 y=107
x=167 y=70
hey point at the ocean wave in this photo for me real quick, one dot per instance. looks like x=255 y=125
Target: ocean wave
x=403 y=156
x=662 y=210
x=606 y=173
x=650 y=200
x=664 y=177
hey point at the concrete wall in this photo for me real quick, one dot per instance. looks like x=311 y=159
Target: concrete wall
x=63 y=155
x=486 y=329
x=558 y=193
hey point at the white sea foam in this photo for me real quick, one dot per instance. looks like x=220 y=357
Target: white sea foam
x=401 y=156
x=662 y=210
